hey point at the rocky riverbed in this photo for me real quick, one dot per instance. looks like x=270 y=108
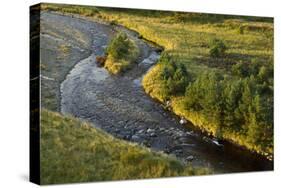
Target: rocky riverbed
x=118 y=104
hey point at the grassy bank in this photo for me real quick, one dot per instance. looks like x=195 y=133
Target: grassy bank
x=75 y=151
x=227 y=86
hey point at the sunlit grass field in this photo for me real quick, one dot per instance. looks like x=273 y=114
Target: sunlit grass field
x=76 y=151
x=186 y=36
x=188 y=42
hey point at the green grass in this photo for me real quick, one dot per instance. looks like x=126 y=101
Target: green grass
x=188 y=42
x=76 y=151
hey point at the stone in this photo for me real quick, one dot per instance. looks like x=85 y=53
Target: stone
x=183 y=121
x=135 y=138
x=149 y=130
x=182 y=139
x=168 y=103
x=189 y=158
x=140 y=131
x=216 y=142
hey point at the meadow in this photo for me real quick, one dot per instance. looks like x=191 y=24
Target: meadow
x=76 y=151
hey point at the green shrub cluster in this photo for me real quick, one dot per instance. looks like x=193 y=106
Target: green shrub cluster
x=119 y=46
x=175 y=76
x=241 y=107
x=217 y=48
x=121 y=53
x=170 y=77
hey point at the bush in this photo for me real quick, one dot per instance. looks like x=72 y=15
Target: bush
x=166 y=79
x=119 y=46
x=240 y=69
x=217 y=48
x=121 y=53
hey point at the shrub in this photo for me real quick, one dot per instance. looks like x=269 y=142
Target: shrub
x=121 y=53
x=119 y=46
x=217 y=48
x=240 y=69
x=166 y=79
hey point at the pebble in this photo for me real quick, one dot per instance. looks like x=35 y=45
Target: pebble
x=149 y=130
x=183 y=121
x=189 y=158
x=135 y=138
x=140 y=131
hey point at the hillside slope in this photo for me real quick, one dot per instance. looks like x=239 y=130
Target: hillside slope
x=75 y=151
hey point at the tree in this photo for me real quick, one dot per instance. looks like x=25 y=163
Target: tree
x=232 y=97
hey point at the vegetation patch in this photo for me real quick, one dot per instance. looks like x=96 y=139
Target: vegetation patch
x=217 y=48
x=75 y=151
x=121 y=52
x=166 y=79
